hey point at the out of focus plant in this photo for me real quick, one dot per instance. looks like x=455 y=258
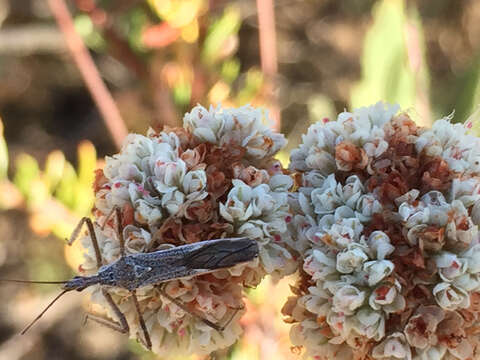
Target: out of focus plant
x=55 y=196
x=393 y=61
x=9 y=195
x=184 y=50
x=468 y=101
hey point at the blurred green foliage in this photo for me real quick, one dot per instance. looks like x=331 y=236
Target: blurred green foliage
x=390 y=70
x=219 y=32
x=469 y=95
x=3 y=154
x=394 y=68
x=58 y=194
x=58 y=179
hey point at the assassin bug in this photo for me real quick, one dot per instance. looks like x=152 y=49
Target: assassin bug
x=133 y=271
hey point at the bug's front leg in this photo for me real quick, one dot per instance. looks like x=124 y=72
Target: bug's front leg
x=118 y=215
x=93 y=238
x=119 y=228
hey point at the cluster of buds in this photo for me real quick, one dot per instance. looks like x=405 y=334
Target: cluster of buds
x=379 y=215
x=214 y=177
x=385 y=220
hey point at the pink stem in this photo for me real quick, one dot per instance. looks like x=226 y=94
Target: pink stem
x=268 y=53
x=98 y=90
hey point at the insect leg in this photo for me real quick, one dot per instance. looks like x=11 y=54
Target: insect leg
x=76 y=231
x=109 y=215
x=118 y=214
x=122 y=326
x=184 y=308
x=120 y=230
x=93 y=237
x=235 y=311
x=106 y=322
x=146 y=335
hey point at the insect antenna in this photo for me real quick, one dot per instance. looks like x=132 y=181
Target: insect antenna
x=43 y=311
x=48 y=306
x=33 y=281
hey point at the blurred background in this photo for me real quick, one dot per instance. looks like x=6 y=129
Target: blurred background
x=303 y=60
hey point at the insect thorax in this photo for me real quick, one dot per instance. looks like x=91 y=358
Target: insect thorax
x=125 y=273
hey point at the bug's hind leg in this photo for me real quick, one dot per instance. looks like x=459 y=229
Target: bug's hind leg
x=146 y=335
x=93 y=237
x=235 y=312
x=184 y=308
x=106 y=322
x=121 y=326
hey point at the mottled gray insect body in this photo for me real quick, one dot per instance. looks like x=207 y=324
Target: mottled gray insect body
x=134 y=271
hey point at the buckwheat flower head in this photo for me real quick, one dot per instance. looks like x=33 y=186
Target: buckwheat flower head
x=385 y=218
x=215 y=177
x=241 y=127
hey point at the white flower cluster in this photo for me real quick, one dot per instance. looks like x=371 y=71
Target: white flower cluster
x=383 y=276
x=241 y=126
x=176 y=187
x=351 y=292
x=363 y=128
x=451 y=141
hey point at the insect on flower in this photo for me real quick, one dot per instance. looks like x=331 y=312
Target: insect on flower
x=134 y=271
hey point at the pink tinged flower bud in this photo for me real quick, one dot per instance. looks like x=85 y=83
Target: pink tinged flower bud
x=317 y=302
x=452 y=335
x=450 y=297
x=347 y=299
x=318 y=265
x=204 y=124
x=322 y=161
x=377 y=270
x=169 y=175
x=472 y=256
x=326 y=199
x=409 y=197
x=376 y=148
x=369 y=323
x=387 y=296
x=450 y=266
x=421 y=329
x=394 y=347
x=147 y=213
x=351 y=259
x=194 y=181
x=379 y=242
x=466 y=190
x=476 y=213
x=280 y=182
x=136 y=239
x=468 y=282
x=172 y=201
x=431 y=353
x=414 y=214
x=351 y=191
x=366 y=206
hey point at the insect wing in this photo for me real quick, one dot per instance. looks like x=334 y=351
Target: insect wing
x=223 y=253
